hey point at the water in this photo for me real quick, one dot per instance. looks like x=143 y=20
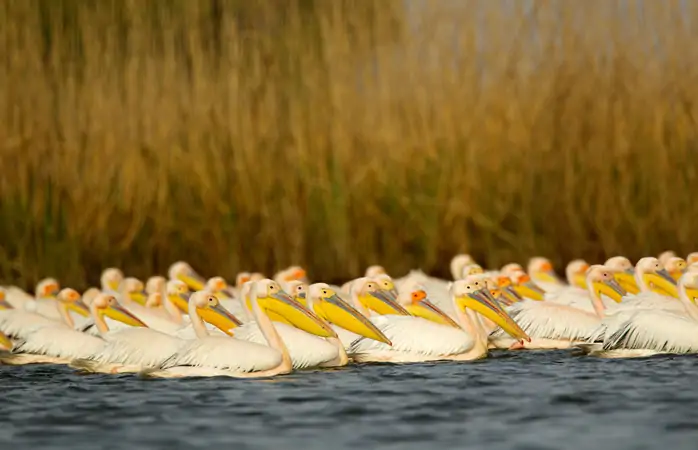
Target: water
x=514 y=400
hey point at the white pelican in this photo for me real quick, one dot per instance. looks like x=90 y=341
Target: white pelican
x=557 y=325
x=283 y=277
x=18 y=323
x=58 y=344
x=111 y=279
x=136 y=348
x=664 y=256
x=676 y=267
x=307 y=350
x=692 y=258
x=647 y=331
x=624 y=273
x=183 y=271
x=223 y=356
x=416 y=339
x=542 y=273
x=457 y=264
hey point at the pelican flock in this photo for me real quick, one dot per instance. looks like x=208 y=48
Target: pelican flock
x=186 y=325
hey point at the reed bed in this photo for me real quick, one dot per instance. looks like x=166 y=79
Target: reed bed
x=250 y=135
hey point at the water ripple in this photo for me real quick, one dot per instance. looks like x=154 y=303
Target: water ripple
x=514 y=400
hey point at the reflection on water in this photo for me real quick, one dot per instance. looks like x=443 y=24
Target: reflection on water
x=523 y=400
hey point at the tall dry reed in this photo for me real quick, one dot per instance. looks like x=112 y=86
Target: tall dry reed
x=255 y=134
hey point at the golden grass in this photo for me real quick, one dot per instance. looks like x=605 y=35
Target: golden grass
x=246 y=135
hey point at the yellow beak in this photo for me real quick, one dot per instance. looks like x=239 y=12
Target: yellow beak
x=692 y=294
x=546 y=276
x=676 y=274
x=662 y=283
x=296 y=314
x=530 y=290
x=138 y=297
x=5 y=342
x=484 y=304
x=181 y=301
x=300 y=298
x=113 y=285
x=611 y=289
x=192 y=279
x=383 y=303
x=79 y=307
x=335 y=310
x=510 y=294
x=220 y=318
x=580 y=281
x=118 y=312
x=427 y=310
x=627 y=281
x=272 y=314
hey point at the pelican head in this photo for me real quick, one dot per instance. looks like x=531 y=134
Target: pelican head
x=471 y=294
x=386 y=284
x=290 y=274
x=182 y=271
x=651 y=275
x=111 y=278
x=47 y=288
x=511 y=268
x=506 y=286
x=218 y=286
x=367 y=296
x=73 y=302
x=241 y=278
x=676 y=267
x=664 y=256
x=457 y=264
x=209 y=309
x=414 y=297
x=471 y=269
x=155 y=284
x=576 y=272
x=107 y=305
x=325 y=302
x=525 y=287
x=375 y=270
x=298 y=290
x=133 y=288
x=4 y=304
x=692 y=258
x=600 y=280
x=178 y=293
x=270 y=297
x=541 y=270
x=623 y=272
x=256 y=276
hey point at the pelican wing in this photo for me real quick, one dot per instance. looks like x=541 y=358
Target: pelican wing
x=18 y=324
x=661 y=331
x=225 y=353
x=138 y=346
x=413 y=335
x=552 y=321
x=306 y=350
x=59 y=342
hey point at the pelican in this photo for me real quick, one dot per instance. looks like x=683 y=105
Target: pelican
x=111 y=279
x=676 y=267
x=624 y=273
x=664 y=256
x=138 y=347
x=283 y=277
x=458 y=262
x=224 y=356
x=58 y=344
x=307 y=350
x=557 y=325
x=183 y=271
x=416 y=339
x=542 y=273
x=648 y=331
x=692 y=258
x=18 y=323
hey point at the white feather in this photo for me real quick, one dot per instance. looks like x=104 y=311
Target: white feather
x=413 y=339
x=660 y=331
x=542 y=319
x=59 y=342
x=306 y=350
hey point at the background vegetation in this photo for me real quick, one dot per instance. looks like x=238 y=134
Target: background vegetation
x=336 y=134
